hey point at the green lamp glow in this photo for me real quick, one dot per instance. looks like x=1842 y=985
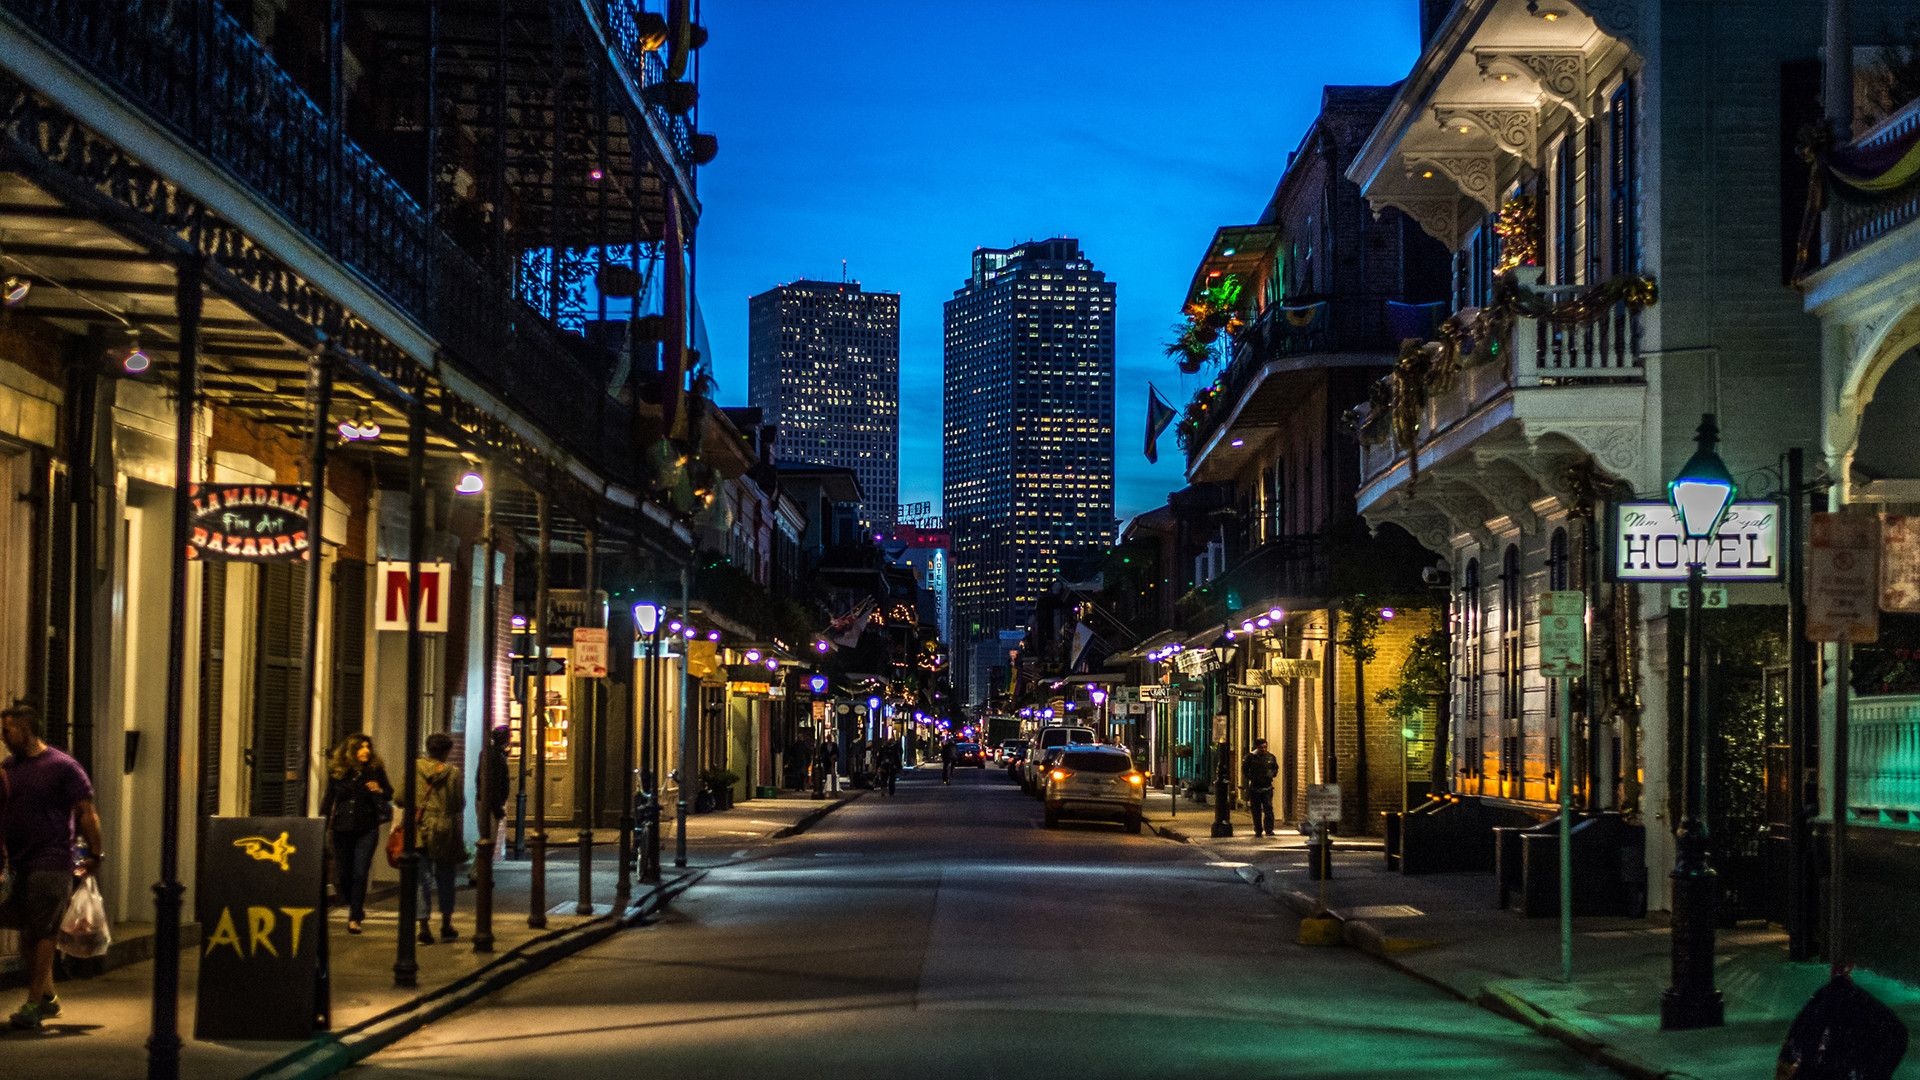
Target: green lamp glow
x=1704 y=489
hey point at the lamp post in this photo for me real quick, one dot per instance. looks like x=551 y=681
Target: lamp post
x=1700 y=495
x=1223 y=650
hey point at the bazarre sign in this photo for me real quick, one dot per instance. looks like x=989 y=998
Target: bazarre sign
x=248 y=522
x=261 y=905
x=1648 y=544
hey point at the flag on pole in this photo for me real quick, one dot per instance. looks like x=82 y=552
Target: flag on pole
x=1159 y=415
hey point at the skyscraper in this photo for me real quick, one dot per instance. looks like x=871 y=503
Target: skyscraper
x=823 y=364
x=1029 y=429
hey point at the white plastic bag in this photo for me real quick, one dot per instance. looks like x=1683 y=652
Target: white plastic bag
x=83 y=931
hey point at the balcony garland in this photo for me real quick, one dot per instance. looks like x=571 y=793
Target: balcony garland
x=1469 y=338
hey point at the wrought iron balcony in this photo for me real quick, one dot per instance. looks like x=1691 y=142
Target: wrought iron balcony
x=1883 y=774
x=195 y=72
x=1858 y=222
x=1281 y=570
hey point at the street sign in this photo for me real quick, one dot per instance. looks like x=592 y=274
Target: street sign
x=261 y=908
x=524 y=666
x=1712 y=597
x=1843 y=579
x=1323 y=804
x=1648 y=544
x=1563 y=634
x=590 y=652
x=1245 y=693
x=390 y=606
x=1279 y=667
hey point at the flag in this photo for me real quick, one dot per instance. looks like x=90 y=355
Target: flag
x=1159 y=415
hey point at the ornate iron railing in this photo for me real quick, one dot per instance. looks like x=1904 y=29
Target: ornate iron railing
x=1883 y=761
x=623 y=24
x=197 y=72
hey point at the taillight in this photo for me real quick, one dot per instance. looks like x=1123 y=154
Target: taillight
x=1136 y=779
x=1059 y=774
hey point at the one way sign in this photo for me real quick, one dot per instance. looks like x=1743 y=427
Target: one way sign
x=390 y=609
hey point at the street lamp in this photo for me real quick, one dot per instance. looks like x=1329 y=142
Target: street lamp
x=1223 y=650
x=646 y=619
x=1700 y=495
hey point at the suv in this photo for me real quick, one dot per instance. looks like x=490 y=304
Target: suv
x=1049 y=738
x=1094 y=781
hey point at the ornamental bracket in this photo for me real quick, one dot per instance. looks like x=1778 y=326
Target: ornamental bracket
x=1514 y=128
x=1560 y=74
x=1475 y=172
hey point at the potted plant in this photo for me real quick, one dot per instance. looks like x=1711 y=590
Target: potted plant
x=720 y=781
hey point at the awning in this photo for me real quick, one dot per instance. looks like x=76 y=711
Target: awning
x=1245 y=250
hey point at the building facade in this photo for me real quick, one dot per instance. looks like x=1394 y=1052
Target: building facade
x=1028 y=428
x=823 y=366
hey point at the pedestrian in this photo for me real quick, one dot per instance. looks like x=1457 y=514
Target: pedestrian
x=947 y=755
x=1258 y=772
x=437 y=836
x=496 y=782
x=857 y=762
x=887 y=761
x=357 y=802
x=829 y=760
x=48 y=798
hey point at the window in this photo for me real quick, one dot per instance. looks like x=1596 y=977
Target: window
x=1510 y=655
x=1470 y=711
x=1559 y=568
x=1623 y=182
x=1564 y=210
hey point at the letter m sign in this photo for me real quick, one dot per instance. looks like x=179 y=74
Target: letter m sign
x=390 y=610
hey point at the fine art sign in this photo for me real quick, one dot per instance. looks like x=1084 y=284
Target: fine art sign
x=249 y=522
x=1648 y=544
x=262 y=911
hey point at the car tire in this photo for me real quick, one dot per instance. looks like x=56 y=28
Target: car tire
x=1133 y=824
x=1052 y=818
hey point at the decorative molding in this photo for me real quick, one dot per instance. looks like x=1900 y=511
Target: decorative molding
x=1615 y=18
x=1476 y=173
x=1560 y=74
x=1615 y=447
x=1514 y=128
x=1437 y=215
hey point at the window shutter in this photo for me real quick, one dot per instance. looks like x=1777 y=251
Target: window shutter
x=349 y=660
x=277 y=747
x=213 y=679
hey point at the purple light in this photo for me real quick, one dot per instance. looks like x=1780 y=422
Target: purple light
x=1388 y=613
x=1230 y=635
x=689 y=633
x=820 y=646
x=1263 y=622
x=713 y=635
x=596 y=174
x=773 y=665
x=1247 y=627
x=676 y=626
x=817 y=683
x=1276 y=614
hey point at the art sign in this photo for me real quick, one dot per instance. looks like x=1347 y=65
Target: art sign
x=1649 y=545
x=248 y=522
x=261 y=904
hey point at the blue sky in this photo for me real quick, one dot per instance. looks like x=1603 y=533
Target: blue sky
x=899 y=135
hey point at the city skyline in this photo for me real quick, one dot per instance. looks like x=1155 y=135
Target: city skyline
x=888 y=171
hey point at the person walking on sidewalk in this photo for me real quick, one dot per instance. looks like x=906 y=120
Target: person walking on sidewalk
x=887 y=761
x=496 y=781
x=1259 y=770
x=357 y=802
x=48 y=798
x=438 y=839
x=829 y=779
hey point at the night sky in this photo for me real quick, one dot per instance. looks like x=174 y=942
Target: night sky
x=899 y=135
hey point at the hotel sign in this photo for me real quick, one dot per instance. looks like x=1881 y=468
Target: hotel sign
x=1648 y=544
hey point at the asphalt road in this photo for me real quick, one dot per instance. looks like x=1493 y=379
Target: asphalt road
x=944 y=932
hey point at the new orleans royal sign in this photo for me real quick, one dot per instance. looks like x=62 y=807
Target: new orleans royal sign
x=248 y=522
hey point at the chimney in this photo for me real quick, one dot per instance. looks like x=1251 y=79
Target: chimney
x=1432 y=14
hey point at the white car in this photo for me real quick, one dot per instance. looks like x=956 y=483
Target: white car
x=1049 y=738
x=1094 y=782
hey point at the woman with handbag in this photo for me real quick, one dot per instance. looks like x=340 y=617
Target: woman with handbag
x=440 y=843
x=358 y=800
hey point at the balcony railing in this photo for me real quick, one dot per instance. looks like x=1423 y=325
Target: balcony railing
x=1283 y=568
x=1343 y=325
x=197 y=72
x=1857 y=224
x=1883 y=764
x=1543 y=354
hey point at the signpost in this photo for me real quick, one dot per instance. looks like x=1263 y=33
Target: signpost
x=589 y=652
x=263 y=924
x=1563 y=658
x=1323 y=809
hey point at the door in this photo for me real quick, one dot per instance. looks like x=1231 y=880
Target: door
x=277 y=751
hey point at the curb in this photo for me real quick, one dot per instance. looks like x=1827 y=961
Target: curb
x=813 y=817
x=334 y=1052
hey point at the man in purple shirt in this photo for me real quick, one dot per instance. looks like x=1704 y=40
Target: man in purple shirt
x=47 y=796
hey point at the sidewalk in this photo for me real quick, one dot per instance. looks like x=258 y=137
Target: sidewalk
x=1445 y=930
x=103 y=1031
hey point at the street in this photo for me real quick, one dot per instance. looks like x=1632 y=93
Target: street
x=945 y=932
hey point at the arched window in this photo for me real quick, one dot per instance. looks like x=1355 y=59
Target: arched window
x=1472 y=715
x=1559 y=567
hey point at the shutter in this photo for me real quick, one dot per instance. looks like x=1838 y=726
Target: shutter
x=277 y=747
x=349 y=660
x=213 y=679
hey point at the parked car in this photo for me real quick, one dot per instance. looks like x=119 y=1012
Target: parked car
x=1094 y=782
x=1015 y=753
x=1004 y=752
x=1048 y=738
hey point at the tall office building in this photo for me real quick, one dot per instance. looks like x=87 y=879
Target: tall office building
x=1029 y=430
x=823 y=364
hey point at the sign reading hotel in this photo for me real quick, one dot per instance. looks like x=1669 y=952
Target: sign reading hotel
x=1649 y=545
x=248 y=522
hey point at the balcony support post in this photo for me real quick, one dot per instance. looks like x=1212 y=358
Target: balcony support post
x=537 y=885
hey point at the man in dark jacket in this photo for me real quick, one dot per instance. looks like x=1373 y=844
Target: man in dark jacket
x=1258 y=771
x=495 y=782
